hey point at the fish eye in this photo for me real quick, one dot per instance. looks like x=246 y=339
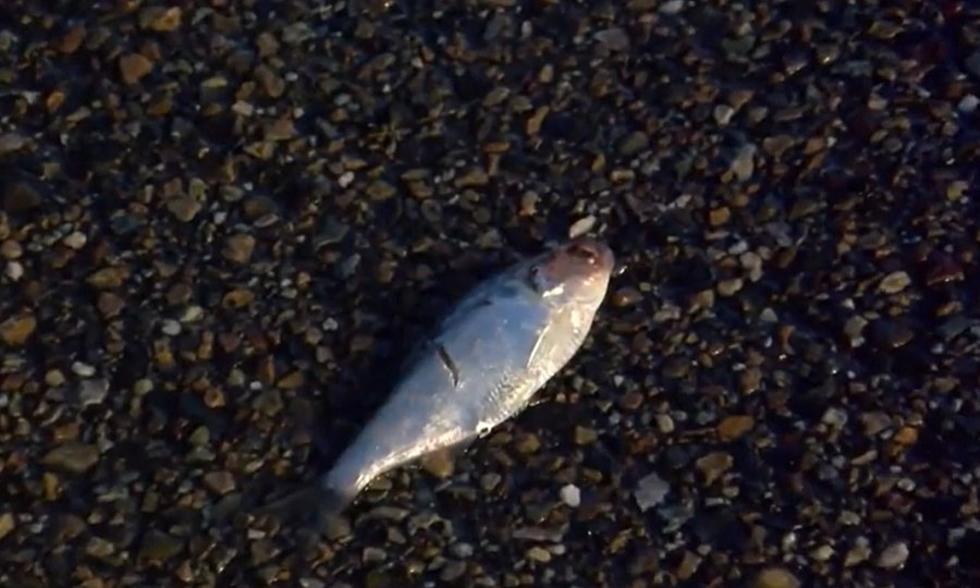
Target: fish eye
x=582 y=252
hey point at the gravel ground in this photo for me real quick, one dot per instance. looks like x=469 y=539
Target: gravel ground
x=221 y=221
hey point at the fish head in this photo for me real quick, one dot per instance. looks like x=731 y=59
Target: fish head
x=576 y=271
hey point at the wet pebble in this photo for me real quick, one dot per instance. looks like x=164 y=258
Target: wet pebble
x=651 y=491
x=72 y=457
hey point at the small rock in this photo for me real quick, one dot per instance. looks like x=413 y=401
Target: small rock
x=373 y=555
x=7 y=524
x=489 y=481
x=11 y=249
x=380 y=190
x=875 y=422
x=614 y=39
x=453 y=571
x=581 y=226
x=775 y=578
x=585 y=435
x=82 y=369
x=16 y=330
x=134 y=67
x=665 y=423
x=238 y=248
x=160 y=19
x=723 y=114
x=21 y=196
x=894 y=282
x=539 y=554
x=159 y=547
x=853 y=328
x=894 y=556
x=439 y=464
x=14 y=270
x=75 y=240
x=108 y=277
x=221 y=482
x=99 y=548
x=650 y=491
x=719 y=216
x=730 y=287
x=713 y=465
x=10 y=142
x=184 y=208
x=472 y=177
x=72 y=457
x=822 y=553
x=968 y=104
x=93 y=391
x=743 y=165
x=973 y=63
x=858 y=554
x=834 y=417
x=733 y=427
x=633 y=143
x=571 y=495
x=689 y=565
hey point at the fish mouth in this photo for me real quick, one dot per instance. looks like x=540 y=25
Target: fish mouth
x=591 y=251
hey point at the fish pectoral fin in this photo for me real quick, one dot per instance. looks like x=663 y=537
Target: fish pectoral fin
x=539 y=346
x=447 y=362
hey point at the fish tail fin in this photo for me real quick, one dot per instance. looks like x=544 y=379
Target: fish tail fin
x=315 y=504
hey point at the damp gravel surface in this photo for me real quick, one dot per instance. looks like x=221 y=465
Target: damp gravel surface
x=223 y=223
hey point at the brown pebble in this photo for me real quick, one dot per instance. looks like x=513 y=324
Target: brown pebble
x=585 y=436
x=134 y=67
x=291 y=381
x=16 y=330
x=184 y=208
x=237 y=298
x=527 y=443
x=775 y=578
x=719 y=216
x=733 y=427
x=439 y=464
x=110 y=304
x=108 y=277
x=221 y=482
x=72 y=40
x=160 y=19
x=730 y=287
x=238 y=248
x=713 y=465
x=6 y=524
x=894 y=283
x=72 y=457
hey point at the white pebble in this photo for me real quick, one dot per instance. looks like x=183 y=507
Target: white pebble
x=83 y=369
x=571 y=495
x=75 y=240
x=651 y=491
x=581 y=227
x=968 y=103
x=894 y=555
x=14 y=270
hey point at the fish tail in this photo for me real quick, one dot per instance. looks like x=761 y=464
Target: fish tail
x=314 y=504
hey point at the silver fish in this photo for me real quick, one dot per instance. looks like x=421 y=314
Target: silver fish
x=499 y=346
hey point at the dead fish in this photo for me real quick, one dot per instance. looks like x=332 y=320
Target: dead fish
x=500 y=345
